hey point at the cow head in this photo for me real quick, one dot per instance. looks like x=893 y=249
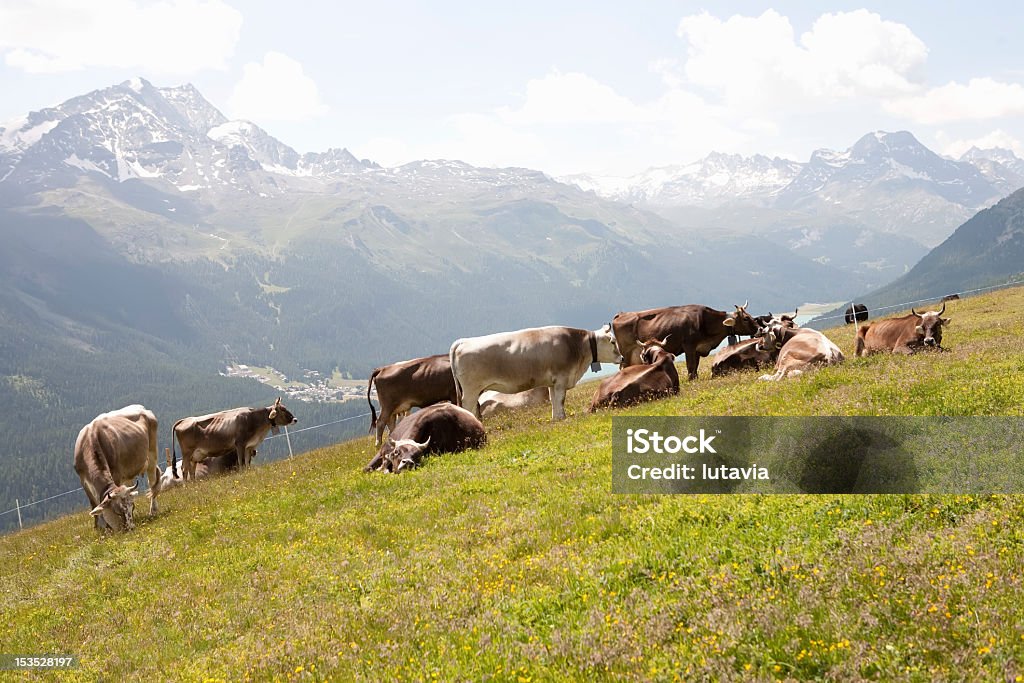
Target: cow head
x=654 y=350
x=930 y=327
x=117 y=509
x=280 y=416
x=741 y=322
x=404 y=454
x=607 y=345
x=771 y=336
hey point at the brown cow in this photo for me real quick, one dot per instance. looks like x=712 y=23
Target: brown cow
x=655 y=379
x=907 y=334
x=237 y=431
x=747 y=354
x=695 y=330
x=110 y=452
x=415 y=383
x=440 y=428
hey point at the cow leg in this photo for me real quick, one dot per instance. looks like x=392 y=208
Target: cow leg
x=382 y=423
x=471 y=400
x=692 y=361
x=188 y=466
x=243 y=455
x=374 y=464
x=558 y=402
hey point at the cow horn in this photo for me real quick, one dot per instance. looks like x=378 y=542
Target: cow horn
x=915 y=312
x=796 y=312
x=422 y=446
x=131 y=489
x=943 y=308
x=664 y=341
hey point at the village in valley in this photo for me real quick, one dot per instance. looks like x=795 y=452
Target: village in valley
x=312 y=387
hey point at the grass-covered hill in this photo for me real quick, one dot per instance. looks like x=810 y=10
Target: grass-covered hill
x=517 y=563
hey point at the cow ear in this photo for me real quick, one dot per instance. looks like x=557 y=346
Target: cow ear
x=729 y=322
x=945 y=321
x=273 y=413
x=919 y=329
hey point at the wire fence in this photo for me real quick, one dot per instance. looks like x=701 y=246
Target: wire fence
x=270 y=451
x=903 y=305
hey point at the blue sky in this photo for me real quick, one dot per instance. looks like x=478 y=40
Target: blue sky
x=601 y=87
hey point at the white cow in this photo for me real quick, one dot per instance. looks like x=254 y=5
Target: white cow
x=494 y=403
x=110 y=452
x=511 y=362
x=799 y=349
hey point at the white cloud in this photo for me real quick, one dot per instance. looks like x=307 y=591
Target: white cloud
x=757 y=61
x=170 y=36
x=570 y=98
x=276 y=90
x=981 y=98
x=997 y=138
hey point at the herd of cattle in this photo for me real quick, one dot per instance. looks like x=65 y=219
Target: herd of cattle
x=481 y=376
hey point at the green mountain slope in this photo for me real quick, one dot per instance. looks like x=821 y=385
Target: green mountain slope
x=986 y=250
x=516 y=562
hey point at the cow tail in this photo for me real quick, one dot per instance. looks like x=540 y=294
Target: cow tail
x=174 y=454
x=861 y=334
x=373 y=411
x=455 y=375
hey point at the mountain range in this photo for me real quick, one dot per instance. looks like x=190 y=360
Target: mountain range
x=885 y=185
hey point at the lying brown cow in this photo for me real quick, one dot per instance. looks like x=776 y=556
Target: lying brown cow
x=695 y=330
x=110 y=452
x=907 y=334
x=237 y=431
x=415 y=383
x=748 y=353
x=741 y=355
x=655 y=379
x=440 y=428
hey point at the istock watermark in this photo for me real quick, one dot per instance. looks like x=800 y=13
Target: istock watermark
x=819 y=454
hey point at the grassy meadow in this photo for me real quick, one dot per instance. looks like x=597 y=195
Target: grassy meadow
x=516 y=563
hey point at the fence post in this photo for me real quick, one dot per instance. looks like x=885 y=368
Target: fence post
x=17 y=506
x=289 y=440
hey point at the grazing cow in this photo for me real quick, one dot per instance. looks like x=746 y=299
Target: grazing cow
x=655 y=379
x=907 y=334
x=798 y=349
x=511 y=362
x=861 y=313
x=212 y=466
x=694 y=330
x=493 y=402
x=951 y=297
x=415 y=383
x=440 y=428
x=746 y=354
x=237 y=431
x=110 y=452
